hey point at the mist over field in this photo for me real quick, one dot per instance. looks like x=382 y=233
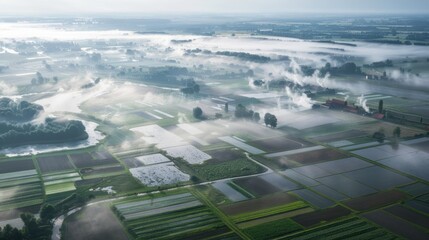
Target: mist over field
x=214 y=119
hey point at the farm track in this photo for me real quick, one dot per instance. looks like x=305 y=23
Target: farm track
x=221 y=215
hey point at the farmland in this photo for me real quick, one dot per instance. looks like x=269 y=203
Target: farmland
x=20 y=185
x=175 y=216
x=159 y=174
x=217 y=127
x=54 y=163
x=353 y=228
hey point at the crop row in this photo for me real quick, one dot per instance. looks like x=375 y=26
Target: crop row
x=351 y=228
x=169 y=217
x=269 y=211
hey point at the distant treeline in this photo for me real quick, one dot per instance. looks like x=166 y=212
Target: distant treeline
x=17 y=127
x=14 y=111
x=51 y=131
x=240 y=55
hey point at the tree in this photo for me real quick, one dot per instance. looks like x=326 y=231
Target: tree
x=380 y=106
x=270 y=120
x=240 y=111
x=197 y=112
x=226 y=107
x=256 y=117
x=379 y=135
x=397 y=132
x=47 y=213
x=196 y=88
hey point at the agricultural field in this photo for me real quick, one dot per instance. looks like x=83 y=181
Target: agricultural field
x=154 y=134
x=403 y=158
x=321 y=216
x=159 y=174
x=262 y=207
x=58 y=163
x=231 y=193
x=396 y=225
x=313 y=198
x=215 y=170
x=240 y=144
x=256 y=186
x=20 y=186
x=217 y=128
x=270 y=230
x=152 y=159
x=304 y=156
x=279 y=144
x=189 y=153
x=376 y=200
x=173 y=216
x=353 y=228
x=55 y=179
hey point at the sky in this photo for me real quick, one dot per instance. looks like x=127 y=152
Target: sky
x=88 y=7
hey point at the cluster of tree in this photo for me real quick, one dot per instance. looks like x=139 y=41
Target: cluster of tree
x=165 y=74
x=270 y=120
x=196 y=50
x=91 y=84
x=242 y=112
x=387 y=63
x=131 y=52
x=40 y=79
x=245 y=56
x=191 y=87
x=241 y=55
x=307 y=70
x=59 y=46
x=93 y=57
x=160 y=75
x=51 y=131
x=347 y=68
x=337 y=43
x=18 y=111
x=258 y=82
x=33 y=229
x=177 y=41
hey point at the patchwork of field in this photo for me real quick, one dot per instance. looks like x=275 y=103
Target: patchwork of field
x=346 y=178
x=402 y=158
x=174 y=216
x=396 y=225
x=20 y=185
